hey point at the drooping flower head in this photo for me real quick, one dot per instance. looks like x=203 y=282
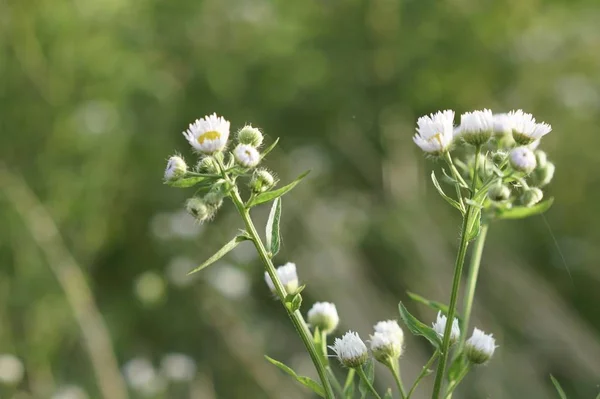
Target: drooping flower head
x=350 y=350
x=524 y=128
x=246 y=155
x=288 y=276
x=480 y=347
x=476 y=127
x=209 y=134
x=435 y=132
x=324 y=316
x=522 y=159
x=176 y=168
x=439 y=326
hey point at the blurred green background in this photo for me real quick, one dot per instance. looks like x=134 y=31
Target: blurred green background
x=94 y=248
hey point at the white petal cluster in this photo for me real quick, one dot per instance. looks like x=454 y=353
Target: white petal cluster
x=439 y=326
x=390 y=327
x=288 y=277
x=502 y=124
x=246 y=155
x=480 y=347
x=522 y=159
x=387 y=341
x=209 y=134
x=350 y=350
x=178 y=367
x=324 y=316
x=435 y=132
x=176 y=168
x=142 y=377
x=525 y=129
x=11 y=369
x=476 y=127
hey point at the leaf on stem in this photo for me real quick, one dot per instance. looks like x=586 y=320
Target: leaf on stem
x=186 y=181
x=271 y=195
x=418 y=328
x=221 y=252
x=448 y=199
x=272 y=231
x=428 y=302
x=306 y=381
x=559 y=389
x=321 y=346
x=474 y=226
x=269 y=148
x=369 y=370
x=520 y=212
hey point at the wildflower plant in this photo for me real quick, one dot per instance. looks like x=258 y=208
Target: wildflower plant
x=497 y=172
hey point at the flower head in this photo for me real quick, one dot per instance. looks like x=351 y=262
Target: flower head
x=502 y=124
x=387 y=341
x=198 y=209
x=288 y=276
x=532 y=196
x=390 y=327
x=522 y=159
x=439 y=326
x=476 y=127
x=261 y=181
x=350 y=350
x=435 y=132
x=176 y=168
x=246 y=155
x=209 y=134
x=11 y=369
x=524 y=128
x=250 y=135
x=324 y=316
x=480 y=347
x=178 y=367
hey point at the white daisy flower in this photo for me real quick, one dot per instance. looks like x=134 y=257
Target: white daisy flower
x=476 y=127
x=435 y=132
x=439 y=326
x=209 y=134
x=350 y=350
x=390 y=327
x=246 y=155
x=480 y=347
x=502 y=124
x=324 y=316
x=176 y=168
x=288 y=276
x=524 y=128
x=387 y=341
x=522 y=159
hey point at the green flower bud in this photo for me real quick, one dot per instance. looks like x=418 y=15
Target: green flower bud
x=198 y=209
x=207 y=165
x=261 y=181
x=250 y=135
x=532 y=196
x=541 y=158
x=499 y=193
x=543 y=176
x=498 y=157
x=214 y=199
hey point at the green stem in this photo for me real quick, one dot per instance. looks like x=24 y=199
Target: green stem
x=423 y=373
x=455 y=383
x=394 y=367
x=349 y=379
x=458 y=177
x=363 y=376
x=336 y=385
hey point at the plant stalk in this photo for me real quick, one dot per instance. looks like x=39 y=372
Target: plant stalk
x=394 y=367
x=423 y=373
x=363 y=376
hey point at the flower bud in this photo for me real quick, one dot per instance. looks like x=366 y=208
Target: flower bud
x=250 y=135
x=324 y=316
x=540 y=157
x=439 y=326
x=498 y=157
x=542 y=176
x=246 y=155
x=214 y=199
x=522 y=159
x=261 y=181
x=207 y=165
x=480 y=347
x=176 y=168
x=499 y=193
x=198 y=209
x=350 y=350
x=532 y=196
x=387 y=341
x=287 y=275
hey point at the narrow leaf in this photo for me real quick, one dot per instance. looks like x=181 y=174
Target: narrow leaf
x=269 y=148
x=451 y=201
x=186 y=181
x=474 y=226
x=221 y=252
x=270 y=195
x=418 y=328
x=272 y=232
x=369 y=370
x=520 y=212
x=306 y=381
x=559 y=389
x=427 y=302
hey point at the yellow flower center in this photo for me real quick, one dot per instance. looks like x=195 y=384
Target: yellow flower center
x=210 y=135
x=437 y=137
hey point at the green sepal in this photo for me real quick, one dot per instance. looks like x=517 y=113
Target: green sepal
x=520 y=212
x=271 y=195
x=448 y=199
x=559 y=389
x=273 y=237
x=416 y=327
x=306 y=381
x=221 y=252
x=369 y=370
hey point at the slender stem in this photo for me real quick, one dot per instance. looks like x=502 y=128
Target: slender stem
x=394 y=367
x=472 y=281
x=363 y=376
x=455 y=383
x=336 y=385
x=457 y=176
x=423 y=373
x=295 y=316
x=349 y=379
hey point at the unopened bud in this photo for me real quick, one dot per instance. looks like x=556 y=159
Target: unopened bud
x=350 y=350
x=541 y=158
x=246 y=155
x=250 y=135
x=499 y=193
x=541 y=176
x=214 y=199
x=532 y=196
x=480 y=347
x=198 y=209
x=176 y=168
x=207 y=165
x=499 y=157
x=522 y=159
x=324 y=316
x=261 y=181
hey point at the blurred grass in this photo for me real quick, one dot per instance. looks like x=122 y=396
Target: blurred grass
x=94 y=95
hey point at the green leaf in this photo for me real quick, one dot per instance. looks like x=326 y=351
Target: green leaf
x=271 y=195
x=272 y=231
x=450 y=200
x=474 y=225
x=306 y=381
x=221 y=252
x=369 y=370
x=186 y=181
x=269 y=148
x=293 y=301
x=559 y=389
x=520 y=212
x=427 y=302
x=418 y=328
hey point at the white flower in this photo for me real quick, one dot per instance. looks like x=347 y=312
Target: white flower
x=439 y=326
x=246 y=155
x=387 y=341
x=390 y=327
x=350 y=350
x=209 y=134
x=142 y=377
x=176 y=168
x=435 y=132
x=178 y=367
x=502 y=124
x=70 y=392
x=480 y=347
x=11 y=369
x=476 y=127
x=522 y=159
x=324 y=316
x=524 y=128
x=288 y=277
